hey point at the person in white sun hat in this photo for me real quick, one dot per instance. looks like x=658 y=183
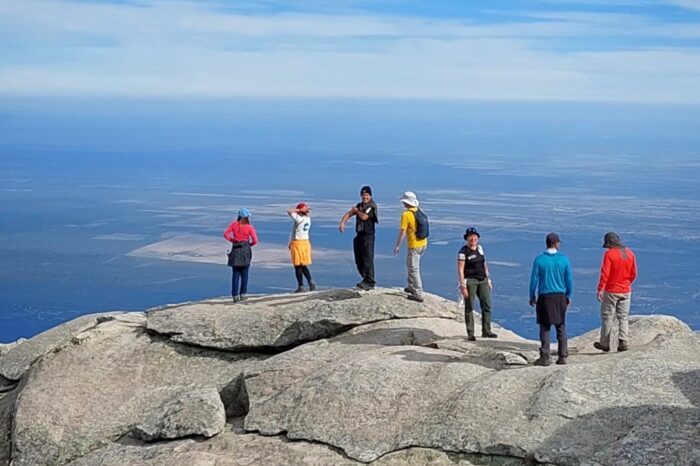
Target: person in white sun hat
x=414 y=226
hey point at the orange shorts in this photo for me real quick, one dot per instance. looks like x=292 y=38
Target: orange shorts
x=300 y=250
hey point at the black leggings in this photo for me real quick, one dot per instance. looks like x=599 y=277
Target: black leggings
x=302 y=271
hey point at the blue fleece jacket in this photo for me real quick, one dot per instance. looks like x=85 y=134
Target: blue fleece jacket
x=551 y=272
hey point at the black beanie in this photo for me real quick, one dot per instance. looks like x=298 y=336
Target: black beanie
x=366 y=189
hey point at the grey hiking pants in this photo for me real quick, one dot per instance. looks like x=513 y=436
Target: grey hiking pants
x=413 y=265
x=614 y=305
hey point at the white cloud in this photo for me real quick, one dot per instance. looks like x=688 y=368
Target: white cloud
x=689 y=4
x=191 y=49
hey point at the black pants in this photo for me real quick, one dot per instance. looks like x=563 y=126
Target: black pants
x=363 y=246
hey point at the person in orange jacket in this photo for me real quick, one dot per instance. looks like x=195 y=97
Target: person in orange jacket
x=618 y=271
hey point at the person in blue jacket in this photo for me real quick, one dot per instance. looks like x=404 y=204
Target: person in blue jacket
x=551 y=285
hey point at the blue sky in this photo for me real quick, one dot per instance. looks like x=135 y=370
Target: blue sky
x=585 y=50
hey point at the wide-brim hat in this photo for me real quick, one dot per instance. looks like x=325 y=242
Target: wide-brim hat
x=410 y=199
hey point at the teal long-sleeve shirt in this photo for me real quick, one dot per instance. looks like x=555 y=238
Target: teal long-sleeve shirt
x=551 y=273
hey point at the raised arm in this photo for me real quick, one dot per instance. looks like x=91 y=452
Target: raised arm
x=360 y=214
x=346 y=217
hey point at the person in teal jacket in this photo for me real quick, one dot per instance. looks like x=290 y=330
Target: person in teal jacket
x=551 y=285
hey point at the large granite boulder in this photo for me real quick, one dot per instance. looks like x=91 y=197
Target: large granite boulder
x=16 y=360
x=95 y=390
x=396 y=385
x=642 y=330
x=189 y=411
x=282 y=321
x=370 y=400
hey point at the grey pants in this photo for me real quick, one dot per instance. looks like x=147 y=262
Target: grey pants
x=614 y=305
x=413 y=265
x=546 y=340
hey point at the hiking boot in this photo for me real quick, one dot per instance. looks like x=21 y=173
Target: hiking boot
x=236 y=298
x=312 y=286
x=300 y=289
x=488 y=334
x=599 y=345
x=408 y=290
x=471 y=338
x=622 y=345
x=244 y=297
x=542 y=361
x=561 y=361
x=418 y=299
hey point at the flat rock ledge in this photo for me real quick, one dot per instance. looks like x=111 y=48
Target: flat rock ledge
x=282 y=321
x=190 y=411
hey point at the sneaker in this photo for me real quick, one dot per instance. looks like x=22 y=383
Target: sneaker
x=300 y=289
x=413 y=297
x=244 y=297
x=561 y=361
x=312 y=286
x=622 y=345
x=471 y=338
x=408 y=290
x=236 y=298
x=488 y=334
x=599 y=345
x=365 y=286
x=542 y=361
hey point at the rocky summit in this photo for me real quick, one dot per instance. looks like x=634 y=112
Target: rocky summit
x=341 y=377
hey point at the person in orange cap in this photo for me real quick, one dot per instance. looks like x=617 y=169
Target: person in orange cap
x=300 y=246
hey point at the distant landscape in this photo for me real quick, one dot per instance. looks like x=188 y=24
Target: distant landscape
x=118 y=205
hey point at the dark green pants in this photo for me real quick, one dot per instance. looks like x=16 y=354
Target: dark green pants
x=482 y=291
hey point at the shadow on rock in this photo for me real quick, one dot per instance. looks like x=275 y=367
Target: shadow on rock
x=630 y=436
x=402 y=336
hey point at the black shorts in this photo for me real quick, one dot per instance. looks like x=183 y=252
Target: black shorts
x=551 y=309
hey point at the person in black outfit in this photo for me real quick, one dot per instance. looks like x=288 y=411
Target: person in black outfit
x=363 y=243
x=475 y=282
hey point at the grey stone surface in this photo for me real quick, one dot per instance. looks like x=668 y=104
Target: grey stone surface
x=15 y=362
x=281 y=321
x=188 y=411
x=432 y=457
x=226 y=449
x=370 y=400
x=5 y=347
x=642 y=330
x=97 y=388
x=399 y=385
x=231 y=448
x=7 y=401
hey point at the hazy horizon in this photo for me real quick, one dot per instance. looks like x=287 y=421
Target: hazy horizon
x=87 y=182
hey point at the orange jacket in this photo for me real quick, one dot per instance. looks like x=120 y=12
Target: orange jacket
x=617 y=273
